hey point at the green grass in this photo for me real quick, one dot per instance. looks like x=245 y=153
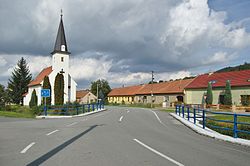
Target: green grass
x=16 y=114
x=18 y=111
x=229 y=125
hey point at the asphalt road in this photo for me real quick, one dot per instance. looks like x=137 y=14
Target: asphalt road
x=119 y=136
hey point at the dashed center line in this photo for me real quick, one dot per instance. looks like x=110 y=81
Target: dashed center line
x=27 y=147
x=159 y=153
x=120 y=118
x=52 y=132
x=71 y=124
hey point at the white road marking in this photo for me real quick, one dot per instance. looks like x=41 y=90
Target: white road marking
x=71 y=124
x=52 y=132
x=128 y=111
x=120 y=118
x=27 y=147
x=158 y=118
x=159 y=153
x=84 y=120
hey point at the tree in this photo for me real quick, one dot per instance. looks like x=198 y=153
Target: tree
x=59 y=89
x=46 y=85
x=18 y=83
x=209 y=99
x=3 y=96
x=103 y=87
x=33 y=100
x=228 y=94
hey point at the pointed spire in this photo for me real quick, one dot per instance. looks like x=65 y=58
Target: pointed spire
x=60 y=44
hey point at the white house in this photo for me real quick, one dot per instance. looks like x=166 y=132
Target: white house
x=60 y=64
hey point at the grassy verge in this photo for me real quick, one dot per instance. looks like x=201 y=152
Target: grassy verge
x=18 y=111
x=211 y=123
x=16 y=114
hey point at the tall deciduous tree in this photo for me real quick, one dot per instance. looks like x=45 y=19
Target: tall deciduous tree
x=18 y=83
x=103 y=88
x=209 y=99
x=46 y=85
x=33 y=100
x=59 y=89
x=228 y=94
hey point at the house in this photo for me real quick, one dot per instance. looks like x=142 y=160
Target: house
x=60 y=64
x=171 y=91
x=240 y=86
x=85 y=97
x=124 y=95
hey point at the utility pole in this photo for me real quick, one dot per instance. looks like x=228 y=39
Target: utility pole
x=152 y=81
x=97 y=91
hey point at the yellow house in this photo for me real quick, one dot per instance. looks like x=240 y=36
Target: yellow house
x=124 y=95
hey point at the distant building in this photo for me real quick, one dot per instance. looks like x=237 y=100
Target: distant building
x=171 y=91
x=240 y=86
x=85 y=97
x=60 y=64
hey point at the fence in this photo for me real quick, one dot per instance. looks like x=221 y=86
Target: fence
x=71 y=109
x=235 y=123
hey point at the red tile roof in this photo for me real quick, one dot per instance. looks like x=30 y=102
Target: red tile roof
x=81 y=93
x=125 y=91
x=170 y=87
x=40 y=77
x=237 y=78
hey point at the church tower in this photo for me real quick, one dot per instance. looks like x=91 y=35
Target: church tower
x=60 y=54
x=60 y=60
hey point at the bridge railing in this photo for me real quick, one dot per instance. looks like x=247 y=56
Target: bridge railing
x=234 y=124
x=71 y=109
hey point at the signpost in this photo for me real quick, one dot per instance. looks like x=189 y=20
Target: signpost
x=45 y=93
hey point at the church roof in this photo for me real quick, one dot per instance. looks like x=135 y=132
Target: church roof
x=60 y=39
x=39 y=78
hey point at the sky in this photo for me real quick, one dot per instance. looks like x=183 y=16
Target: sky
x=122 y=41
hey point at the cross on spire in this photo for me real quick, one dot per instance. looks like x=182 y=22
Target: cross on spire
x=60 y=44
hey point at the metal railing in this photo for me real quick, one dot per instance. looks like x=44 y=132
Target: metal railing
x=207 y=118
x=71 y=109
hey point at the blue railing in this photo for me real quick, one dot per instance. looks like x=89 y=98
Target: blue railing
x=202 y=116
x=71 y=109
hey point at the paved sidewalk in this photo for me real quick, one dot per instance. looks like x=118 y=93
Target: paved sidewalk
x=208 y=132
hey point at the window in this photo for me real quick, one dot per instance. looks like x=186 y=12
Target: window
x=245 y=100
x=61 y=59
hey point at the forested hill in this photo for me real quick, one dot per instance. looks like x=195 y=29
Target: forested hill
x=245 y=66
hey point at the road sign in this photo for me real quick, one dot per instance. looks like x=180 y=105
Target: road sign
x=45 y=93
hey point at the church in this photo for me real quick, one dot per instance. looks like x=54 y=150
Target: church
x=60 y=64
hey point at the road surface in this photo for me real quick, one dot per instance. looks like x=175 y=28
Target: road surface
x=119 y=136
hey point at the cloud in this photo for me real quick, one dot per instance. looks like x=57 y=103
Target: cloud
x=219 y=57
x=3 y=62
x=122 y=41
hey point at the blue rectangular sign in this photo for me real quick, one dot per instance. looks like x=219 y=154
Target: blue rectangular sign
x=45 y=92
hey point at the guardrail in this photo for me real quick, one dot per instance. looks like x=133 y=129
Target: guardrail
x=70 y=109
x=200 y=116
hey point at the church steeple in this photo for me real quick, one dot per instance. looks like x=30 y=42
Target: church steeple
x=61 y=44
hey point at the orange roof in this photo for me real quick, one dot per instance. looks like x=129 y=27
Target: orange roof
x=237 y=78
x=40 y=77
x=125 y=91
x=81 y=93
x=169 y=87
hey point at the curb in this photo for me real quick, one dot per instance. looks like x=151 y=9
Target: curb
x=71 y=116
x=211 y=133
